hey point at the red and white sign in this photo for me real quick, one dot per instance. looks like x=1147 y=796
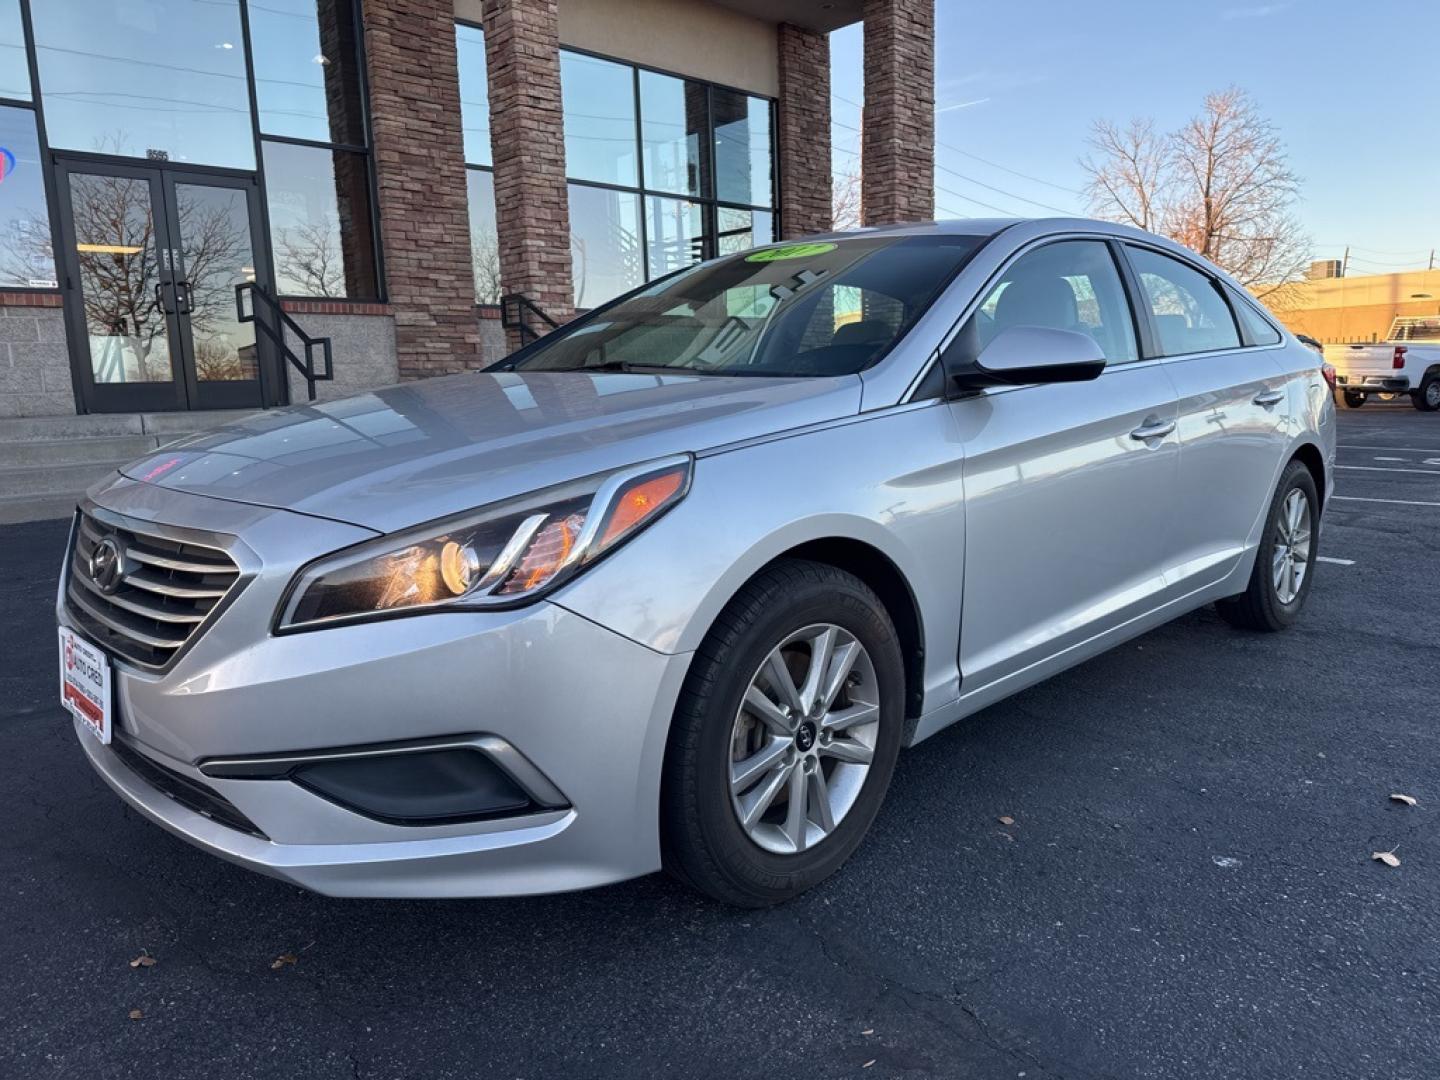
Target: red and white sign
x=85 y=683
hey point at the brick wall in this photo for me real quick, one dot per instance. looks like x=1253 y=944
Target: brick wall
x=420 y=170
x=804 y=135
x=527 y=137
x=898 y=145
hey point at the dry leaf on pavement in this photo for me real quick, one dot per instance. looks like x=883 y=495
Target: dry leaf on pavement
x=281 y=960
x=136 y=1014
x=1007 y=820
x=1389 y=858
x=1408 y=800
x=143 y=960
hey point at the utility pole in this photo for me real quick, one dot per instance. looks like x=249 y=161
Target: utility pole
x=1432 y=260
x=1345 y=262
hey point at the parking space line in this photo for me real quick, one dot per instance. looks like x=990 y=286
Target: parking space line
x=1383 y=468
x=1334 y=561
x=1396 y=502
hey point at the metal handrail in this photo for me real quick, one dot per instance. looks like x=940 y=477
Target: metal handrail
x=306 y=367
x=513 y=309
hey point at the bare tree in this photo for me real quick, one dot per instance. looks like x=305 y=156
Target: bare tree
x=845 y=200
x=309 y=261
x=1220 y=185
x=485 y=257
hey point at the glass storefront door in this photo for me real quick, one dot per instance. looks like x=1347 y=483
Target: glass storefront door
x=152 y=257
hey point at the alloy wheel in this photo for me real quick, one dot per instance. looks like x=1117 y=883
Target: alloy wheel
x=803 y=739
x=1432 y=393
x=1290 y=560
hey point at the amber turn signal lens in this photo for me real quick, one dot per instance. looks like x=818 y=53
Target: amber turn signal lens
x=639 y=501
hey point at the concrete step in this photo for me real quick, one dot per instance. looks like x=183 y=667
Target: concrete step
x=18 y=508
x=80 y=451
x=110 y=425
x=54 y=479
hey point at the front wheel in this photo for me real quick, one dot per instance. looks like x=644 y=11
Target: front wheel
x=1284 y=565
x=785 y=736
x=1427 y=398
x=1354 y=399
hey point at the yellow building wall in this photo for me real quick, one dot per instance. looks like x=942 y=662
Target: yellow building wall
x=1352 y=309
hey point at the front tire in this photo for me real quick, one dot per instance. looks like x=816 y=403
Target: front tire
x=1427 y=397
x=784 y=738
x=1285 y=563
x=1354 y=399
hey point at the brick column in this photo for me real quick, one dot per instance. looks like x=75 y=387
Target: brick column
x=527 y=137
x=804 y=136
x=898 y=144
x=420 y=172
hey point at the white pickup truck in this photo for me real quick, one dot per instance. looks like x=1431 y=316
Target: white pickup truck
x=1394 y=367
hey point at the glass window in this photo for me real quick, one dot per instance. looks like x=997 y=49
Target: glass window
x=14 y=67
x=742 y=148
x=484 y=242
x=770 y=312
x=307 y=81
x=1258 y=330
x=599 y=102
x=474 y=94
x=27 y=259
x=741 y=230
x=674 y=118
x=320 y=229
x=604 y=243
x=674 y=232
x=1186 y=307
x=135 y=79
x=1071 y=285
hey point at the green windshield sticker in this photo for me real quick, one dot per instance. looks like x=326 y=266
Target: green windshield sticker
x=789 y=251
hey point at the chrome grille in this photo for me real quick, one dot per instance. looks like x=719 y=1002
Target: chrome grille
x=150 y=608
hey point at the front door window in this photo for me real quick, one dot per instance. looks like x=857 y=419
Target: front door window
x=155 y=257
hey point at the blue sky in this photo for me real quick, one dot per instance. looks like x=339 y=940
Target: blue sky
x=1353 y=89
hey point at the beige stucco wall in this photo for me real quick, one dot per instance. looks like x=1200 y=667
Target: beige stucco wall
x=1355 y=308
x=688 y=37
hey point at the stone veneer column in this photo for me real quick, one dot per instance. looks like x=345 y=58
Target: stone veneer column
x=527 y=137
x=898 y=145
x=420 y=173
x=804 y=136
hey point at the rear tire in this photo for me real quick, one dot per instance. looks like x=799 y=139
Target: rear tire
x=1274 y=597
x=1353 y=399
x=1427 y=397
x=703 y=839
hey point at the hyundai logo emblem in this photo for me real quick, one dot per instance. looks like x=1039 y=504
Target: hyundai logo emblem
x=106 y=564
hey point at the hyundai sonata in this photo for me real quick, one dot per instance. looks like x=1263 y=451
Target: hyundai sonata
x=673 y=586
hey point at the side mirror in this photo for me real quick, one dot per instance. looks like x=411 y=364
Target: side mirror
x=1021 y=355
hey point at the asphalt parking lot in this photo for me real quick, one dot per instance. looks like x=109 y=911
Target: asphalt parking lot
x=1187 y=889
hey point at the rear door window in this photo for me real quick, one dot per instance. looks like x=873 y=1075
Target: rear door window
x=1256 y=327
x=1186 y=308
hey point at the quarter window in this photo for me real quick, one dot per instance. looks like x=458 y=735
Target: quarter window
x=1069 y=285
x=1186 y=308
x=1258 y=330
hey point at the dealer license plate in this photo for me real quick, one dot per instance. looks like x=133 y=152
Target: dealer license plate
x=85 y=683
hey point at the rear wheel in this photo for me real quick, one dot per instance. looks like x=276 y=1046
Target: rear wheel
x=1427 y=398
x=784 y=738
x=1354 y=399
x=1284 y=565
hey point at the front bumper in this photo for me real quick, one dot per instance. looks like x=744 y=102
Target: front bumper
x=588 y=708
x=1384 y=384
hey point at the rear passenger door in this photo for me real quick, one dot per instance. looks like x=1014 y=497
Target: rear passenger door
x=1233 y=412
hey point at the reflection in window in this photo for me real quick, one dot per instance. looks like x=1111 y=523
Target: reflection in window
x=742 y=148
x=320 y=227
x=740 y=230
x=599 y=101
x=474 y=94
x=674 y=231
x=484 y=242
x=1188 y=311
x=14 y=67
x=604 y=243
x=307 y=81
x=673 y=120
x=27 y=259
x=133 y=79
x=217 y=255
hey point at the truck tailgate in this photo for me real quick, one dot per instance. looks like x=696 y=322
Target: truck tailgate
x=1361 y=359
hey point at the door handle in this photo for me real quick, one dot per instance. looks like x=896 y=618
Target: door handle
x=1153 y=429
x=182 y=297
x=1267 y=398
x=160 y=299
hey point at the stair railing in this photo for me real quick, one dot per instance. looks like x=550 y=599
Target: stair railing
x=514 y=307
x=280 y=317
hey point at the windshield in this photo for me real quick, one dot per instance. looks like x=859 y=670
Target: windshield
x=818 y=308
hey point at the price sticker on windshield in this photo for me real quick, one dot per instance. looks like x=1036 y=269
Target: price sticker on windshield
x=789 y=251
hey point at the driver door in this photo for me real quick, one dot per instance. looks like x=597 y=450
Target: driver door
x=1070 y=488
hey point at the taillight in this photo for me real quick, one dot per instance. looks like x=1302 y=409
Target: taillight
x=1327 y=372
x=1399 y=361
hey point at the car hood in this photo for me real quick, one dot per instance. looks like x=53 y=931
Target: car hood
x=418 y=451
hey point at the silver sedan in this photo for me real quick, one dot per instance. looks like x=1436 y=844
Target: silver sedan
x=674 y=585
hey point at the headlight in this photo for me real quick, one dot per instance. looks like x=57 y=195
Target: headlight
x=499 y=556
